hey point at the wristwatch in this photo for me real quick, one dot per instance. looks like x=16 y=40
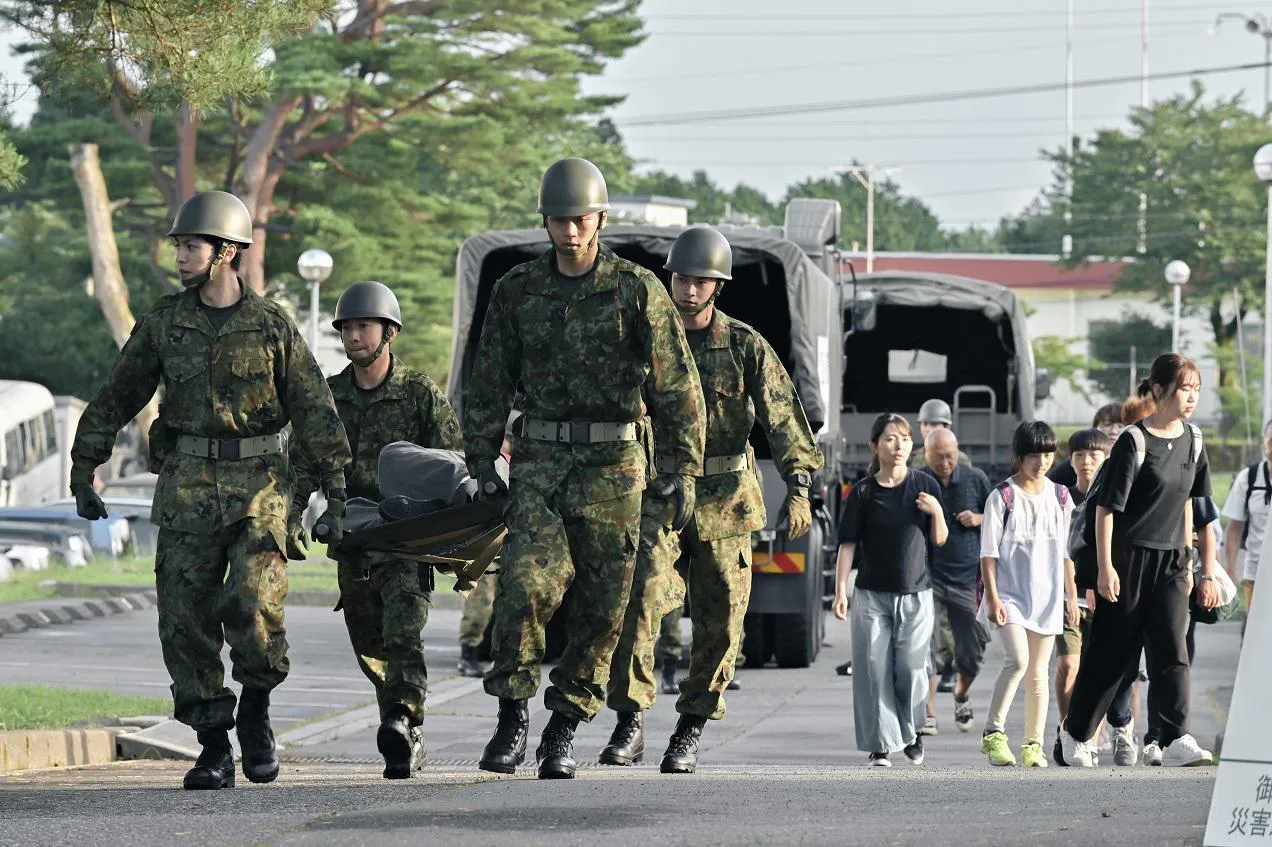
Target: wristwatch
x=800 y=480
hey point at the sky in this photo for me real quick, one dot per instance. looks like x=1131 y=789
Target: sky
x=971 y=161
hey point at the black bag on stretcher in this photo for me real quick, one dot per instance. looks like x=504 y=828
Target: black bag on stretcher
x=428 y=514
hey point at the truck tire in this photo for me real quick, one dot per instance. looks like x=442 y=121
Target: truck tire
x=793 y=640
x=757 y=643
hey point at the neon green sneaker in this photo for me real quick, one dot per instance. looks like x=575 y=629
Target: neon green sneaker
x=1031 y=756
x=994 y=745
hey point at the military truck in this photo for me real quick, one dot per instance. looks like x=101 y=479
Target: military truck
x=911 y=337
x=780 y=286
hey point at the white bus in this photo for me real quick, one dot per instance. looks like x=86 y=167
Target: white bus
x=30 y=450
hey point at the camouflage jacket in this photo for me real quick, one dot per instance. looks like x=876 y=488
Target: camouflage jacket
x=743 y=380
x=252 y=377
x=407 y=406
x=597 y=350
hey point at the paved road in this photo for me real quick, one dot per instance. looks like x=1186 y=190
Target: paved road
x=781 y=768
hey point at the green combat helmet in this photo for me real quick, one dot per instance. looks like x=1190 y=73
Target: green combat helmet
x=571 y=188
x=369 y=299
x=936 y=411
x=703 y=252
x=216 y=214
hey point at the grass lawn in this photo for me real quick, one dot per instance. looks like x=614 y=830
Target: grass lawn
x=317 y=573
x=44 y=707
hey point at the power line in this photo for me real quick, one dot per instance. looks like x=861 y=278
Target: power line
x=906 y=31
x=916 y=99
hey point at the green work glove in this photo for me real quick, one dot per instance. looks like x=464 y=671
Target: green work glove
x=797 y=513
x=329 y=528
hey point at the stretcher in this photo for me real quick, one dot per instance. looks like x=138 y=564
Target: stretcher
x=460 y=540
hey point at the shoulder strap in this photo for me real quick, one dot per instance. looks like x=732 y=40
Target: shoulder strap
x=1141 y=448
x=1196 y=442
x=1252 y=476
x=1008 y=494
x=1267 y=486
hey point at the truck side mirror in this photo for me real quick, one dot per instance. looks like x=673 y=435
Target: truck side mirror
x=864 y=307
x=1042 y=384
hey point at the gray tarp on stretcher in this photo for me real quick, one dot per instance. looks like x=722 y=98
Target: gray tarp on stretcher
x=913 y=288
x=438 y=478
x=809 y=293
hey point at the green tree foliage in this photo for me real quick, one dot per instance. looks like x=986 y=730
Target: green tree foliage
x=1056 y=355
x=1110 y=345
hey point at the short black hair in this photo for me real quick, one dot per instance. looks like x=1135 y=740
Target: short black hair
x=1034 y=437
x=1090 y=439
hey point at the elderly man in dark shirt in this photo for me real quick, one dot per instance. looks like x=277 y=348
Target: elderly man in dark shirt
x=954 y=566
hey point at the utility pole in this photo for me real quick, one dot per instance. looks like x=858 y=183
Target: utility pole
x=865 y=176
x=1066 y=243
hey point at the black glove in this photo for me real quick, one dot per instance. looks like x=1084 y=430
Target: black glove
x=88 y=505
x=491 y=484
x=329 y=528
x=677 y=490
x=297 y=538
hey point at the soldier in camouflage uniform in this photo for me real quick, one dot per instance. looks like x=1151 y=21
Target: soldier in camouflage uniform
x=385 y=599
x=479 y=607
x=234 y=372
x=744 y=381
x=588 y=338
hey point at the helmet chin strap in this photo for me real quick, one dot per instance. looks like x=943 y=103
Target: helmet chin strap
x=368 y=360
x=217 y=260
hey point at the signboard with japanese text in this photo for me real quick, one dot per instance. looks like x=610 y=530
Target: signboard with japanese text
x=1241 y=806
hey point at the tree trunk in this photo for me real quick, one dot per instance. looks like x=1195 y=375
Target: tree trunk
x=187 y=145
x=252 y=267
x=109 y=288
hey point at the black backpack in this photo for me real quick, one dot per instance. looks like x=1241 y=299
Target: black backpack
x=1252 y=474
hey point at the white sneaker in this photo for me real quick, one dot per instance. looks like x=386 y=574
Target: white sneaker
x=1185 y=752
x=1152 y=754
x=1075 y=753
x=1125 y=750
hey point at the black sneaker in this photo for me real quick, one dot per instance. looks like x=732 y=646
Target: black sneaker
x=845 y=669
x=946 y=683
x=914 y=752
x=880 y=760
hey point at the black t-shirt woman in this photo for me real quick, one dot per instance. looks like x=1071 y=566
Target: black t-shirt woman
x=893 y=516
x=1143 y=522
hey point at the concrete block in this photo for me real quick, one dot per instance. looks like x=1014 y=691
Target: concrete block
x=117 y=605
x=76 y=613
x=140 y=600
x=142 y=721
x=11 y=625
x=95 y=608
x=56 y=615
x=55 y=748
x=33 y=620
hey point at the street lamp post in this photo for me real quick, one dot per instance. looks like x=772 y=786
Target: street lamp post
x=1263 y=169
x=314 y=267
x=1258 y=24
x=1177 y=273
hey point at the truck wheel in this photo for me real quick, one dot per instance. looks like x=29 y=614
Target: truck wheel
x=757 y=643
x=793 y=640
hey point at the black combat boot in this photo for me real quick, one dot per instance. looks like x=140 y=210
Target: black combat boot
x=469 y=665
x=214 y=769
x=396 y=744
x=556 y=748
x=669 y=684
x=507 y=748
x=256 y=738
x=627 y=742
x=682 y=749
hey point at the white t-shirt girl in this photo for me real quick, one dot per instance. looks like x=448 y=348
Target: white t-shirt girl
x=1030 y=551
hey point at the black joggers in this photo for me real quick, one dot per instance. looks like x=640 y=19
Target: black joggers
x=1151 y=612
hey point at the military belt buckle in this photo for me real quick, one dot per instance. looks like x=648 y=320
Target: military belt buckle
x=580 y=432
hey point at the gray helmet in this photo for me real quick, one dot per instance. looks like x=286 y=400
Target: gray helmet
x=572 y=187
x=214 y=213
x=369 y=299
x=701 y=251
x=936 y=411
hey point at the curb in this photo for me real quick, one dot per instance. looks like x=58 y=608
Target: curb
x=60 y=614
x=55 y=748
x=443 y=598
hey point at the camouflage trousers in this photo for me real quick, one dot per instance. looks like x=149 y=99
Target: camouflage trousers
x=384 y=614
x=719 y=588
x=225 y=587
x=668 y=649
x=554 y=545
x=479 y=605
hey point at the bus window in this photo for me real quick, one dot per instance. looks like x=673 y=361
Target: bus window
x=50 y=433
x=12 y=454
